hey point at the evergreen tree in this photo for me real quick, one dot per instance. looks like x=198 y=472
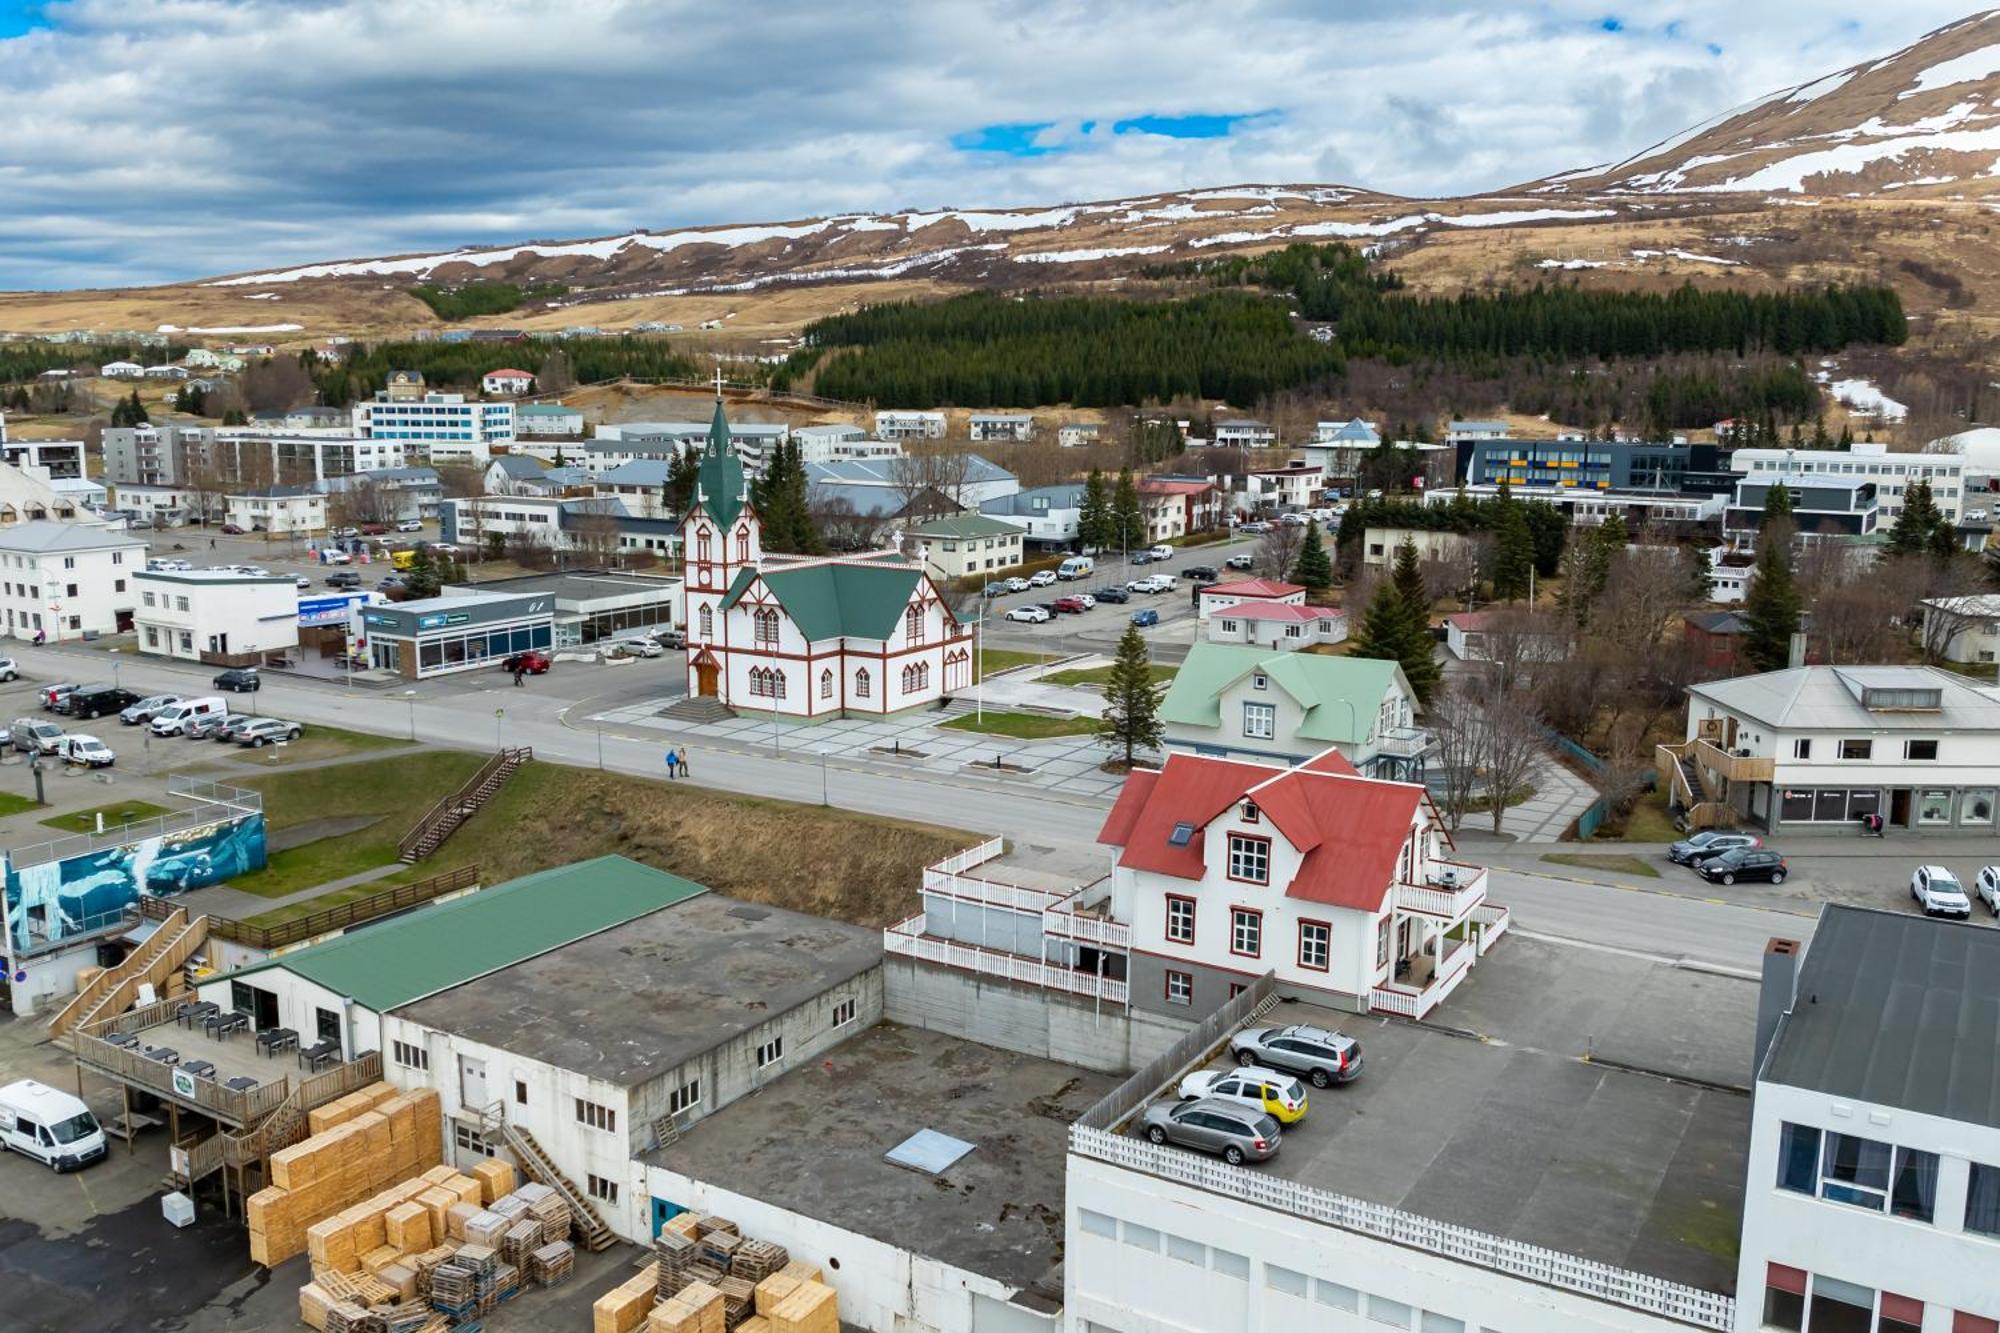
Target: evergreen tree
x=1417 y=647
x=1513 y=555
x=1700 y=576
x=1313 y=569
x=1916 y=528
x=1131 y=720
x=1093 y=520
x=678 y=493
x=1772 y=606
x=137 y=412
x=1128 y=519
x=421 y=578
x=1778 y=503
x=234 y=417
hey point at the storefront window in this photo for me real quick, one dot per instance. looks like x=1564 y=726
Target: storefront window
x=1861 y=803
x=1830 y=804
x=1975 y=806
x=1934 y=807
x=1797 y=807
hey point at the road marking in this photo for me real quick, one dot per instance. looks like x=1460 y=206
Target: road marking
x=1659 y=893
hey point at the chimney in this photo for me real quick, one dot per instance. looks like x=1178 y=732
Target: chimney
x=1775 y=993
x=1796 y=657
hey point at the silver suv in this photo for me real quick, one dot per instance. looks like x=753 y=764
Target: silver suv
x=1324 y=1057
x=1236 y=1132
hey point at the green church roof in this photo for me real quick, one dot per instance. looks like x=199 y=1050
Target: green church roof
x=831 y=601
x=720 y=477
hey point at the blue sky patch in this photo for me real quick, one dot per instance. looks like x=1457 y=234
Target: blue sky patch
x=1188 y=127
x=1611 y=23
x=1013 y=140
x=20 y=16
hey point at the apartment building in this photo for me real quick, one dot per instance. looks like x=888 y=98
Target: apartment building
x=437 y=427
x=68 y=580
x=910 y=425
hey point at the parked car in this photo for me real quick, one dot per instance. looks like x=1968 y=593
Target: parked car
x=1199 y=572
x=995 y=590
x=669 y=638
x=1152 y=583
x=53 y=695
x=1253 y=525
x=302 y=582
x=143 y=710
x=1146 y=619
x=346 y=580
x=230 y=530
x=1088 y=601
x=1033 y=615
x=410 y=525
x=1113 y=594
x=99 y=701
x=641 y=647
x=1240 y=562
x=444 y=548
x=1743 y=863
x=86 y=750
x=334 y=556
x=230 y=728
x=1939 y=893
x=1292 y=520
x=1987 y=885
x=347 y=532
x=1042 y=578
x=1161 y=552
x=262 y=731
x=49 y=1125
x=1325 y=1057
x=1140 y=558
x=1017 y=584
x=1237 y=1133
x=9 y=669
x=1709 y=842
x=238 y=680
x=374 y=529
x=1069 y=606
x=174 y=719
x=203 y=726
x=31 y=736
x=1276 y=1095
x=531 y=662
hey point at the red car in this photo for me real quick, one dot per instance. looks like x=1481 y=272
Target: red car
x=374 y=529
x=1069 y=606
x=534 y=663
x=231 y=530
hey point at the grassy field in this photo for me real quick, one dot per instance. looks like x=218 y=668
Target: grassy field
x=1024 y=726
x=1097 y=676
x=318 y=743
x=806 y=857
x=1006 y=659
x=1624 y=865
x=1647 y=822
x=85 y=821
x=10 y=804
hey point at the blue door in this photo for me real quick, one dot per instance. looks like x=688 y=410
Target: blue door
x=663 y=1213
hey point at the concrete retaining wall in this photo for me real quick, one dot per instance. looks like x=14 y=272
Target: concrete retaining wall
x=1025 y=1019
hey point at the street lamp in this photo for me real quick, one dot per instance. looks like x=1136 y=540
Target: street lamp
x=499 y=716
x=411 y=696
x=822 y=775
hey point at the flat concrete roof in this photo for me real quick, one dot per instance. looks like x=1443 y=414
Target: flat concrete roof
x=1524 y=1137
x=580 y=586
x=814 y=1141
x=641 y=999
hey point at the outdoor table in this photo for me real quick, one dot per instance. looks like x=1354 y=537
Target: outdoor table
x=241 y=1084
x=222 y=1024
x=199 y=1068
x=311 y=1057
x=186 y=1014
x=125 y=1039
x=272 y=1040
x=166 y=1055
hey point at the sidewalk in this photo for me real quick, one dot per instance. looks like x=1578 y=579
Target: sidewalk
x=221 y=900
x=1560 y=796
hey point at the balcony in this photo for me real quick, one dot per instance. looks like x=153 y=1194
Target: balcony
x=1450 y=891
x=1414 y=996
x=1405 y=742
x=906 y=939
x=1734 y=767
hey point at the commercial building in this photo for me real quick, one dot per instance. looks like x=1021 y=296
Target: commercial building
x=1656 y=465
x=1821 y=746
x=215 y=616
x=68 y=580
x=968 y=545
x=1891 y=474
x=437 y=636
x=549 y=420
x=1279 y=707
x=1589 y=507
x=595 y=604
x=277 y=509
x=1873 y=1199
x=1822 y=507
x=1049 y=515
x=437 y=427
x=598 y=528
x=970 y=487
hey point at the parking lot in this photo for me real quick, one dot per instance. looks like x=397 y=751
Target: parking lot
x=283 y=553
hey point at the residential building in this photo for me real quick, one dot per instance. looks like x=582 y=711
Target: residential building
x=551 y=420
x=1342 y=887
x=1355 y=432
x=58 y=459
x=1380 y=545
x=640 y=485
x=1822 y=507
x=506 y=382
x=1891 y=474
x=1200 y=502
x=165 y=372
x=599 y=528
x=979 y=482
x=437 y=427
x=517 y=474
x=1729 y=572
x=181 y=455
x=754 y=441
x=985 y=427
x=165 y=506
x=1273 y=592
x=386 y=495
x=1244 y=433
x=1873 y=1193
x=1294 y=486
x=1717 y=640
x=807 y=638
x=967 y=545
x=1049 y=515
x=1260 y=705
x=1165 y=513
x=121 y=370
x=277 y=509
x=1278 y=628
x=1964 y=629
x=1589 y=507
x=1462 y=431
x=81 y=492
x=842 y=444
x=457 y=632
x=216 y=616
x=1338 y=448
x=311 y=417
x=1467 y=633
x=910 y=425
x=1821 y=746
x=68 y=580
x=1076 y=434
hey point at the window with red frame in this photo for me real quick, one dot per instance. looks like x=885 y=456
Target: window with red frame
x=1249 y=858
x=1180 y=987
x=1315 y=945
x=1180 y=919
x=1246 y=932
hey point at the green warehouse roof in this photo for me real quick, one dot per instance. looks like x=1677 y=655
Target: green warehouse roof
x=391 y=964
x=830 y=601
x=969 y=525
x=1320 y=684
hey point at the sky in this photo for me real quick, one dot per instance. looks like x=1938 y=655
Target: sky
x=161 y=140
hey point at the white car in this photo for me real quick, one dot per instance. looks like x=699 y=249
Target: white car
x=331 y=556
x=1017 y=584
x=1087 y=600
x=9 y=669
x=410 y=525
x=1161 y=552
x=1939 y=893
x=1151 y=583
x=1033 y=615
x=641 y=647
x=1987 y=885
x=1250 y=1085
x=1045 y=578
x=347 y=532
x=302 y=581
x=86 y=750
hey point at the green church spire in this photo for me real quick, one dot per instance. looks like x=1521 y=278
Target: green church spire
x=719 y=480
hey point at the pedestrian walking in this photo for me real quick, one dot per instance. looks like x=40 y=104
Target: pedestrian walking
x=211 y=543
x=673 y=764
x=684 y=761
x=519 y=671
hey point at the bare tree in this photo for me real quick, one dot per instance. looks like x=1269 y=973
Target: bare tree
x=594 y=537
x=1855 y=623
x=1461 y=735
x=930 y=480
x=842 y=528
x=1278 y=549
x=275 y=384
x=1520 y=645
x=1945 y=613
x=1513 y=749
x=460 y=481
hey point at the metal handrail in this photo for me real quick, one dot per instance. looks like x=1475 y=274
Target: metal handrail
x=439 y=812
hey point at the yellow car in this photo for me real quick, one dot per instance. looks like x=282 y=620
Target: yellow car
x=1278 y=1095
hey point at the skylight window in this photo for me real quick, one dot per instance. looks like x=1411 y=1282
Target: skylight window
x=1182 y=835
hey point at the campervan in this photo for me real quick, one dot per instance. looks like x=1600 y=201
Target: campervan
x=49 y=1125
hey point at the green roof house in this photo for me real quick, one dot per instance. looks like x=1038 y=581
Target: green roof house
x=1251 y=703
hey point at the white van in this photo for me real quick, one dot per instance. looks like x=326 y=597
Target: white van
x=1076 y=567
x=49 y=1125
x=173 y=720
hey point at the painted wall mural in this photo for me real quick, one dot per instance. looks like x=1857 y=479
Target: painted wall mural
x=57 y=898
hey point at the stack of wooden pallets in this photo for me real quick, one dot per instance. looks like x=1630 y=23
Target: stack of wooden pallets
x=697 y=1309
x=362 y=1143
x=552 y=1263
x=625 y=1306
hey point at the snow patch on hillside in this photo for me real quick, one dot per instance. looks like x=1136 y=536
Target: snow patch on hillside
x=1970 y=67
x=1862 y=396
x=1572 y=263
x=1083 y=256
x=1688 y=256
x=233 y=328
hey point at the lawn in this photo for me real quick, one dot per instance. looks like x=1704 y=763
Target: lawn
x=1624 y=865
x=1098 y=676
x=1023 y=726
x=320 y=743
x=993 y=660
x=10 y=804
x=1647 y=822
x=85 y=821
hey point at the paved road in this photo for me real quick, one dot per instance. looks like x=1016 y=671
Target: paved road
x=1655 y=923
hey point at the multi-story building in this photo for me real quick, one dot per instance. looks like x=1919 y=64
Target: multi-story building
x=1244 y=433
x=910 y=425
x=182 y=455
x=1459 y=431
x=216 y=616
x=58 y=459
x=1588 y=507
x=982 y=427
x=506 y=381
x=65 y=580
x=598 y=527
x=551 y=420
x=1199 y=500
x=1891 y=474
x=438 y=427
x=1822 y=746
x=841 y=444
x=1592 y=464
x=971 y=486
x=386 y=495
x=1295 y=486
x=1823 y=507
x=1873 y=1199
x=1076 y=434
x=277 y=509
x=1049 y=514
x=967 y=545
x=1242 y=702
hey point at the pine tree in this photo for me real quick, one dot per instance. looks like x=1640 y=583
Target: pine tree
x=1513 y=556
x=1313 y=569
x=1131 y=720
x=137 y=412
x=1384 y=631
x=1772 y=606
x=1778 y=503
x=1128 y=520
x=421 y=578
x=1701 y=574
x=1915 y=529
x=1093 y=520
x=1416 y=652
x=681 y=480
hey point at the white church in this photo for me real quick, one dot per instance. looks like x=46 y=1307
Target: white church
x=806 y=636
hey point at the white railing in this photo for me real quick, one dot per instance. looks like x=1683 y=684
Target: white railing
x=1405 y=742
x=991 y=892
x=960 y=862
x=907 y=939
x=1449 y=900
x=1532 y=1263
x=1101 y=931
x=1492 y=920
x=1416 y=1001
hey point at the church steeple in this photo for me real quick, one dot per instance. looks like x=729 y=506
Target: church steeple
x=719 y=479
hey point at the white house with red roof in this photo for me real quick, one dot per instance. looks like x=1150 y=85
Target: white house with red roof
x=1277 y=625
x=1200 y=504
x=1268 y=592
x=505 y=381
x=1341 y=885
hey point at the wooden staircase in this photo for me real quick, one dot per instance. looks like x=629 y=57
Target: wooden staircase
x=443 y=819
x=536 y=1164
x=111 y=992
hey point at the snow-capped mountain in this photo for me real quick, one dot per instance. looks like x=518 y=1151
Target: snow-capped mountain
x=1926 y=118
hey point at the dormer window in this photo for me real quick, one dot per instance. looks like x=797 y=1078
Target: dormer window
x=1250 y=812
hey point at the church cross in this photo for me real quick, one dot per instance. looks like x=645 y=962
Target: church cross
x=718 y=383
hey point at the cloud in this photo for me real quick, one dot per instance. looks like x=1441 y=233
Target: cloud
x=153 y=140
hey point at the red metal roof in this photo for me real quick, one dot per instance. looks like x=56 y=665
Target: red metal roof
x=1276 y=611
x=508 y=374
x=1191 y=789
x=1254 y=588
x=1174 y=487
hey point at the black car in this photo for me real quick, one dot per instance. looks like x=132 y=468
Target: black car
x=1118 y=595
x=98 y=701
x=344 y=579
x=239 y=680
x=1199 y=572
x=1744 y=863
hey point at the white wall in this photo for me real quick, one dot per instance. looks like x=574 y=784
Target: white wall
x=299 y=1001
x=41 y=583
